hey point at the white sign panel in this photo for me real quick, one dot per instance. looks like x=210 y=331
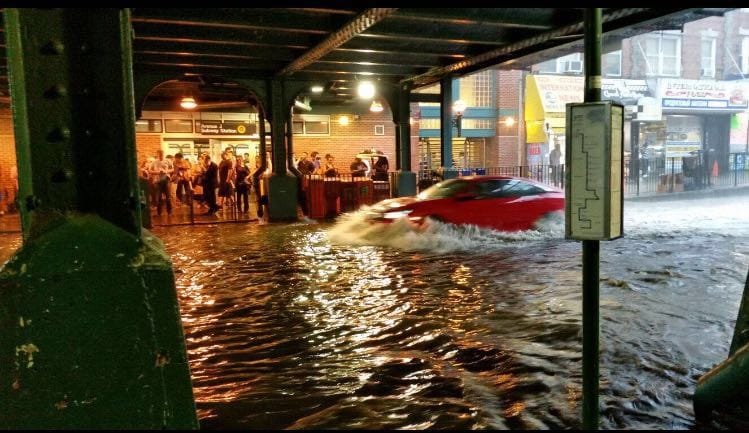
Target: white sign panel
x=594 y=158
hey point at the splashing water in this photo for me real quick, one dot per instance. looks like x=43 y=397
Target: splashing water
x=437 y=237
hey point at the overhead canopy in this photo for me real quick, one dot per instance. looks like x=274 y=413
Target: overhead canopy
x=339 y=46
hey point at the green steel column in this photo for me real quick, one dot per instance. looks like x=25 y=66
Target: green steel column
x=591 y=260
x=282 y=186
x=91 y=333
x=406 y=179
x=741 y=329
x=446 y=126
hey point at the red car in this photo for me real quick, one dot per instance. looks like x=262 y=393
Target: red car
x=503 y=203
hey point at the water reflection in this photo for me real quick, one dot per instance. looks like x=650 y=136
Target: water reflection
x=348 y=326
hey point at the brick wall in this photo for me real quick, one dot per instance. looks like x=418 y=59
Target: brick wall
x=345 y=141
x=7 y=156
x=146 y=146
x=509 y=103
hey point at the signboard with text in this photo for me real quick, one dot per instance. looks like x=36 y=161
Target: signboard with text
x=217 y=127
x=678 y=94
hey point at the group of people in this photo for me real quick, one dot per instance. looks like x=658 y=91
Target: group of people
x=311 y=164
x=232 y=178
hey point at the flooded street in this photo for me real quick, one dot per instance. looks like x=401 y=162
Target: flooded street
x=341 y=326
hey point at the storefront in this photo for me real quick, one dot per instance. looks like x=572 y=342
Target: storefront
x=697 y=120
x=545 y=105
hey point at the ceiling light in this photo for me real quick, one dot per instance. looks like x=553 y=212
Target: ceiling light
x=188 y=103
x=316 y=89
x=366 y=90
x=376 y=107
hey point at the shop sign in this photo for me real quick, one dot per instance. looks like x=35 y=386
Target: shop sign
x=702 y=94
x=625 y=92
x=216 y=127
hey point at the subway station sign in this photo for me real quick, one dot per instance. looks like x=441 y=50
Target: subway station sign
x=217 y=127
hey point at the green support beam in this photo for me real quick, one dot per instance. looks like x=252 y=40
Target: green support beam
x=405 y=184
x=591 y=248
x=91 y=332
x=446 y=126
x=282 y=186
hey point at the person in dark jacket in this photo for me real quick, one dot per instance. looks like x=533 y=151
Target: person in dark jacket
x=381 y=169
x=210 y=182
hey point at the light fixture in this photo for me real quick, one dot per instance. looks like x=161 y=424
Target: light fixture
x=316 y=89
x=343 y=120
x=303 y=105
x=509 y=121
x=366 y=90
x=458 y=108
x=376 y=107
x=188 y=103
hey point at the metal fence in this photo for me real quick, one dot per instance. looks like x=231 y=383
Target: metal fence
x=641 y=177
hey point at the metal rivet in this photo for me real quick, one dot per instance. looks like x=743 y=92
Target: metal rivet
x=59 y=134
x=56 y=91
x=53 y=47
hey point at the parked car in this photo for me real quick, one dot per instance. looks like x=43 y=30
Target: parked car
x=503 y=203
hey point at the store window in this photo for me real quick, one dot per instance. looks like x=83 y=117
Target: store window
x=612 y=64
x=663 y=54
x=707 y=69
x=177 y=125
x=148 y=125
x=745 y=55
x=309 y=124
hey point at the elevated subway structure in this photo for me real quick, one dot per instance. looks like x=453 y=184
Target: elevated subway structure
x=74 y=133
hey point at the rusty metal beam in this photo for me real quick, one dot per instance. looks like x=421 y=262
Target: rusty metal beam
x=356 y=26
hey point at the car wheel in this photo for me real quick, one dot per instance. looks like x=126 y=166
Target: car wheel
x=551 y=221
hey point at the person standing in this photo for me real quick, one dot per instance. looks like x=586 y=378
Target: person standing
x=242 y=185
x=210 y=182
x=555 y=157
x=381 y=168
x=161 y=172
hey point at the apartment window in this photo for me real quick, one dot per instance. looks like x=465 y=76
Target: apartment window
x=612 y=64
x=308 y=124
x=663 y=54
x=708 y=58
x=476 y=89
x=549 y=66
x=570 y=63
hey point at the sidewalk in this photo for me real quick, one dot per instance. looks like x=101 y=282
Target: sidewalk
x=722 y=191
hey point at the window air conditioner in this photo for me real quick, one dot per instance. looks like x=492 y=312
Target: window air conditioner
x=573 y=66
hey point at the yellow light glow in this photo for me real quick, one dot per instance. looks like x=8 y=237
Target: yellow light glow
x=509 y=121
x=188 y=103
x=343 y=120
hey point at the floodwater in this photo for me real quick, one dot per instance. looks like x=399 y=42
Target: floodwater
x=341 y=326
